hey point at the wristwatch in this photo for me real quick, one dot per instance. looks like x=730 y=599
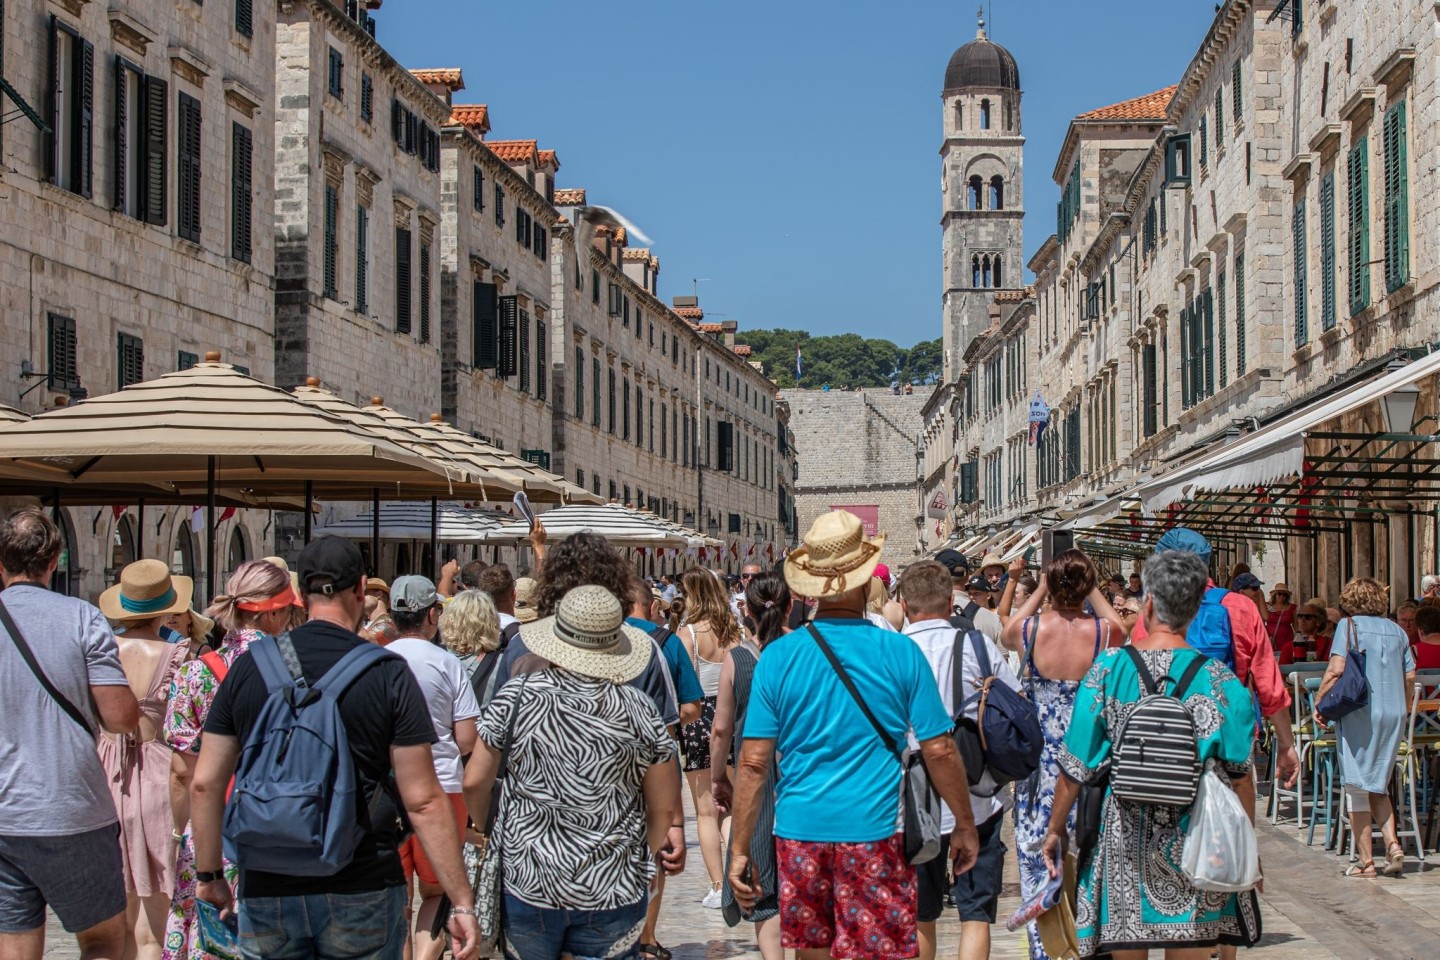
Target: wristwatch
x=209 y=876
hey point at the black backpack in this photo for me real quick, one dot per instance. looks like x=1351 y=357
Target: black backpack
x=1005 y=737
x=964 y=619
x=1156 y=756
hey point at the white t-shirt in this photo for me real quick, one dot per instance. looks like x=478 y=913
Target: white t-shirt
x=936 y=639
x=448 y=698
x=506 y=619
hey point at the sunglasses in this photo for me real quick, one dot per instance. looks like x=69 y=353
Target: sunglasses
x=1306 y=616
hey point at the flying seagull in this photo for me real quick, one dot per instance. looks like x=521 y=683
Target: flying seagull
x=592 y=217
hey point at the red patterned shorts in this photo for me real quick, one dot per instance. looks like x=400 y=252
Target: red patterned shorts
x=857 y=899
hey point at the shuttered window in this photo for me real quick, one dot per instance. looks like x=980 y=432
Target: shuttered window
x=336 y=74
x=1357 y=173
x=1207 y=301
x=157 y=100
x=639 y=417
x=332 y=241
x=523 y=361
x=1219 y=117
x=725 y=446
x=424 y=293
x=129 y=360
x=478 y=200
x=71 y=95
x=610 y=395
x=245 y=18
x=241 y=162
x=362 y=261
x=129 y=133
x=625 y=410
x=367 y=98
x=509 y=335
x=1240 y=314
x=1327 y=251
x=1149 y=384
x=1298 y=254
x=1237 y=97
x=542 y=359
x=1204 y=142
x=403 y=277
x=485 y=326
x=187 y=175
x=595 y=391
x=1221 y=331
x=63 y=353
x=1186 y=383
x=499 y=205
x=579 y=383
x=542 y=242
x=522 y=227
x=1397 y=199
x=184 y=360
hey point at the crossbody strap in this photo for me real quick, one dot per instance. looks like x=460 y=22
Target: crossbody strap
x=504 y=769
x=26 y=654
x=855 y=694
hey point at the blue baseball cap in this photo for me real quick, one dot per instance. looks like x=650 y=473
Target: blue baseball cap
x=1183 y=538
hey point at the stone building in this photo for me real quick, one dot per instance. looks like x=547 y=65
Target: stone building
x=1231 y=250
x=857 y=451
x=135 y=232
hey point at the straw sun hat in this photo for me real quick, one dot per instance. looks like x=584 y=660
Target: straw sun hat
x=525 y=599
x=834 y=557
x=588 y=635
x=146 y=590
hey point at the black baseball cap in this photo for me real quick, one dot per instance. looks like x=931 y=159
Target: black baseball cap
x=954 y=561
x=979 y=585
x=333 y=560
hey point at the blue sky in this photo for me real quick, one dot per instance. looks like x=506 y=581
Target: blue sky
x=786 y=152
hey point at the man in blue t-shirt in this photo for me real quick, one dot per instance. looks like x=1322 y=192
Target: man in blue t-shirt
x=846 y=888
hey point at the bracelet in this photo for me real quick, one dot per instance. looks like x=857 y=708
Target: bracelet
x=175 y=835
x=463 y=911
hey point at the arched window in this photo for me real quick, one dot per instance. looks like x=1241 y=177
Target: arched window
x=959 y=114
x=995 y=271
x=985 y=271
x=984 y=114
x=236 y=553
x=125 y=550
x=182 y=561
x=66 y=579
x=973 y=191
x=997 y=193
x=975 y=271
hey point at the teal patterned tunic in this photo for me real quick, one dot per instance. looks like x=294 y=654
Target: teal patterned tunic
x=1132 y=894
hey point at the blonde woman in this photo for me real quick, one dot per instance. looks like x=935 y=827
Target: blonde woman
x=470 y=629
x=709 y=630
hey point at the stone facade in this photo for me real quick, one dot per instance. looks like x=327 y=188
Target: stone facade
x=137 y=237
x=857 y=450
x=1201 y=280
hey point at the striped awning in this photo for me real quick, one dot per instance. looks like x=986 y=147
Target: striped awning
x=615 y=523
x=410 y=520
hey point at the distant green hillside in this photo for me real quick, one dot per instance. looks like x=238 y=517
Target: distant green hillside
x=843 y=360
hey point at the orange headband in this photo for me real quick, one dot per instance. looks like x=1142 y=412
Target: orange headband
x=285 y=598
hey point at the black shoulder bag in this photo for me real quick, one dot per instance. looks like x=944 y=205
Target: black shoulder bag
x=28 y=656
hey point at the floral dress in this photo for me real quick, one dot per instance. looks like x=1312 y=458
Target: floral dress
x=1132 y=894
x=191 y=693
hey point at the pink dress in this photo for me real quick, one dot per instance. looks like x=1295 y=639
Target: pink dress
x=139 y=774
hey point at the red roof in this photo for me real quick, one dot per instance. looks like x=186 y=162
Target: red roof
x=476 y=116
x=570 y=197
x=513 y=151
x=710 y=327
x=444 y=76
x=690 y=313
x=1149 y=107
x=548 y=158
x=742 y=349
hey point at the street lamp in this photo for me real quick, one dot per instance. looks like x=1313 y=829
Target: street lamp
x=1400 y=403
x=712 y=527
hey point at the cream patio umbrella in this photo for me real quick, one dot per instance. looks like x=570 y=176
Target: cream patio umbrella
x=617 y=524
x=209 y=425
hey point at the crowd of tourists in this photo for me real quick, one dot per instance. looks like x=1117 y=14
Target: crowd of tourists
x=324 y=764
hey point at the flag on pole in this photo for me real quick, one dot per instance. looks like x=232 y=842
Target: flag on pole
x=197 y=519
x=225 y=514
x=797 y=363
x=1039 y=418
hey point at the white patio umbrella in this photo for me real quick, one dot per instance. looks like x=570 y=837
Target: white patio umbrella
x=618 y=525
x=410 y=520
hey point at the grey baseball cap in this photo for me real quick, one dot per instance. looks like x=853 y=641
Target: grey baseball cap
x=412 y=594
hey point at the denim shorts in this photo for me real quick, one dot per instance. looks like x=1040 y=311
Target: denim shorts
x=79 y=876
x=546 y=933
x=326 y=926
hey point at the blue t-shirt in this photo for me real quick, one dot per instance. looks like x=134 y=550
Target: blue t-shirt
x=839 y=783
x=682 y=671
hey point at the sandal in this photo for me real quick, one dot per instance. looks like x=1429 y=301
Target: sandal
x=1362 y=871
x=1395 y=861
x=653 y=951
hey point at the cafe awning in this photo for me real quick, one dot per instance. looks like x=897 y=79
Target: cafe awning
x=410 y=520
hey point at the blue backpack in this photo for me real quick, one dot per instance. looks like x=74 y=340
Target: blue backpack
x=293 y=809
x=1005 y=736
x=1209 y=632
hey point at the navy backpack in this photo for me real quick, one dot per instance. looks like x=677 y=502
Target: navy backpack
x=1005 y=736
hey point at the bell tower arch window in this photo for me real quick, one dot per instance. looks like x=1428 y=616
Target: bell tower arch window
x=985 y=114
x=974 y=191
x=997 y=193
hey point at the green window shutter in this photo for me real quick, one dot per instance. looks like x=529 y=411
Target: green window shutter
x=579 y=383
x=156 y=103
x=1148 y=381
x=1358 y=173
x=1219 y=115
x=1237 y=98
x=1209 y=342
x=594 y=391
x=1327 y=251
x=362 y=260
x=1397 y=202
x=332 y=200
x=1204 y=141
x=184 y=360
x=1299 y=253
x=506 y=362
x=245 y=18
x=1222 y=364
x=424 y=293
x=1185 y=357
x=62 y=353
x=402 y=280
x=625 y=410
x=367 y=98
x=542 y=360
x=241 y=151
x=1239 y=314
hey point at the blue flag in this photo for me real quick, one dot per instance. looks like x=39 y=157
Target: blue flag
x=797 y=362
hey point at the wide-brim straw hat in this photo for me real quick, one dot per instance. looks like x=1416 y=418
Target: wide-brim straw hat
x=200 y=627
x=525 y=600
x=146 y=590
x=992 y=559
x=588 y=635
x=834 y=558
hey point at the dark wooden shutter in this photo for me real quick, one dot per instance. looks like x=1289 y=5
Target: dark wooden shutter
x=1397 y=203
x=245 y=18
x=485 y=331
x=84 y=130
x=156 y=102
x=1147 y=363
x=122 y=136
x=188 y=199
x=542 y=359
x=509 y=337
x=1358 y=172
x=424 y=293
x=1185 y=385
x=610 y=379
x=240 y=157
x=331 y=240
x=129 y=360
x=362 y=260
x=51 y=143
x=63 y=360
x=397 y=122
x=403 y=276
x=479 y=200
x=579 y=383
x=499 y=205
x=625 y=410
x=522 y=329
x=725 y=440
x=1209 y=341
x=367 y=98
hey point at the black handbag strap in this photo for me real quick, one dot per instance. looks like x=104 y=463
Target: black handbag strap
x=28 y=656
x=855 y=694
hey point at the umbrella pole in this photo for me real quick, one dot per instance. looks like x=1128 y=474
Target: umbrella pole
x=309 y=507
x=375 y=531
x=210 y=529
x=435 y=538
x=140 y=524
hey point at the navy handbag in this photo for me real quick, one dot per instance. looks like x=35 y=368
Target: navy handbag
x=1352 y=691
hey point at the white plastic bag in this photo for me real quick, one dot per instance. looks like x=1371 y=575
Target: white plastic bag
x=1221 y=853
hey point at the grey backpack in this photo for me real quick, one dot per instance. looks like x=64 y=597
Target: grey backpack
x=1156 y=758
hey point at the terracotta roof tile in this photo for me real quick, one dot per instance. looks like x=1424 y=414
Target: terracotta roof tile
x=476 y=116
x=691 y=313
x=570 y=197
x=513 y=151
x=711 y=327
x=742 y=349
x=548 y=158
x=444 y=76
x=638 y=253
x=1149 y=107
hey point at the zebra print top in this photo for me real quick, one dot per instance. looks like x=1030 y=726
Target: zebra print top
x=572 y=817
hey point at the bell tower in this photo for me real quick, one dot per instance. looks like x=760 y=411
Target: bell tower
x=982 y=198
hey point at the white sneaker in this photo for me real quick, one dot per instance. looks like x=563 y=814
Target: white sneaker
x=712 y=899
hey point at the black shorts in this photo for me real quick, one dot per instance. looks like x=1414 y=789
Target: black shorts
x=977 y=891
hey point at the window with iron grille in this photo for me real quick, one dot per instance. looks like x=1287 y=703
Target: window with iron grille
x=129 y=360
x=188 y=169
x=62 y=359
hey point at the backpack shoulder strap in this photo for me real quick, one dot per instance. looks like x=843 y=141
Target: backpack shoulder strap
x=339 y=677
x=957 y=673
x=1147 y=680
x=217 y=665
x=1196 y=662
x=854 y=694
x=970 y=610
x=1029 y=633
x=276 y=673
x=982 y=656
